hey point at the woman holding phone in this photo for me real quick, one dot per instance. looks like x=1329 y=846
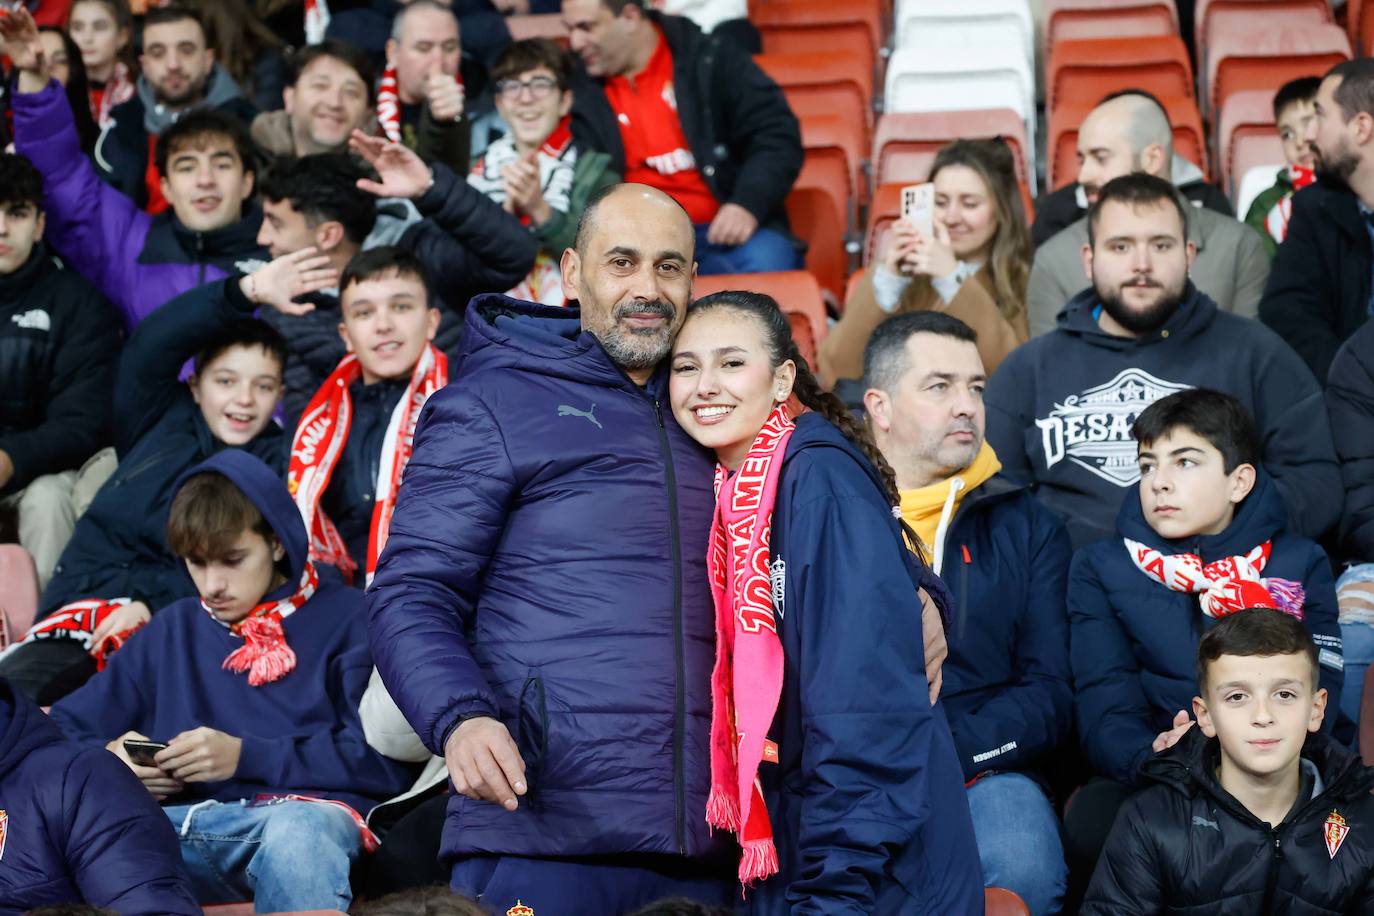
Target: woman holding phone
x=828 y=760
x=973 y=262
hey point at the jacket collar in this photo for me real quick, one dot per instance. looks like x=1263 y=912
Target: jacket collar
x=1194 y=314
x=19 y=286
x=1260 y=517
x=170 y=241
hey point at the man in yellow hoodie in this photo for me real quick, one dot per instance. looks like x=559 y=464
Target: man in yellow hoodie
x=1005 y=559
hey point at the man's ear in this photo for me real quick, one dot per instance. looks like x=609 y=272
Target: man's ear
x=288 y=98
x=1191 y=249
x=570 y=266
x=40 y=225
x=329 y=235
x=210 y=59
x=249 y=180
x=278 y=551
x=565 y=103
x=1242 y=481
x=1154 y=159
x=390 y=50
x=432 y=323
x=1204 y=718
x=879 y=408
x=1087 y=255
x=343 y=335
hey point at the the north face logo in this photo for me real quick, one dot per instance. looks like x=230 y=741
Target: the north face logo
x=1093 y=429
x=33 y=319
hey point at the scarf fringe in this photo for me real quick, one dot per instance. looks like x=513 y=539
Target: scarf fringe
x=722 y=810
x=1289 y=596
x=758 y=860
x=264 y=653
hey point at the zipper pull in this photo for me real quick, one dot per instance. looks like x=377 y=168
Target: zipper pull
x=658 y=413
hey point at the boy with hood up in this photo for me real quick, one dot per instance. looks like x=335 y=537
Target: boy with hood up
x=253 y=686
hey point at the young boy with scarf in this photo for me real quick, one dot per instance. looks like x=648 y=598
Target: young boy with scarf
x=354 y=439
x=1253 y=811
x=1204 y=537
x=117 y=569
x=253 y=686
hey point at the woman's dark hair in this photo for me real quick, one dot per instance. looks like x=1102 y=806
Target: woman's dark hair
x=123 y=19
x=78 y=91
x=782 y=347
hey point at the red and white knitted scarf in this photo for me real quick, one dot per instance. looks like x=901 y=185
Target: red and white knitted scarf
x=747 y=681
x=316 y=21
x=1222 y=586
x=78 y=621
x=264 y=653
x=389 y=103
x=1276 y=220
x=319 y=441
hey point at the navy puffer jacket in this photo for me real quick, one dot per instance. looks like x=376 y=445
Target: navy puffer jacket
x=78 y=826
x=1133 y=642
x=546 y=565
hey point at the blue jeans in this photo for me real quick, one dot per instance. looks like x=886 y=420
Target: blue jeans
x=1018 y=840
x=284 y=856
x=766 y=251
x=1357 y=638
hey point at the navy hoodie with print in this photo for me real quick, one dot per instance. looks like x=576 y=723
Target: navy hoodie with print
x=1060 y=409
x=1133 y=642
x=301 y=733
x=76 y=825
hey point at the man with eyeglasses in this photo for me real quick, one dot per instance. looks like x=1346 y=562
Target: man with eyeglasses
x=536 y=171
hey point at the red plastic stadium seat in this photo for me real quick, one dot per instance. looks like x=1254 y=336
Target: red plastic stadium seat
x=813 y=216
x=542 y=25
x=998 y=901
x=1062 y=144
x=18 y=590
x=885 y=209
x=808 y=26
x=906 y=142
x=1081 y=71
x=1250 y=151
x=829 y=83
x=835 y=137
x=796 y=291
x=1266 y=60
x=1149 y=20
x=1249 y=113
x=1261 y=10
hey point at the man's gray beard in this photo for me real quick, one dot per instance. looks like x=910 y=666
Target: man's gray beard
x=627 y=352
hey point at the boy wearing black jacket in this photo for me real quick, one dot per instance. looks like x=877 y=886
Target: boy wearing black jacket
x=1257 y=813
x=59 y=342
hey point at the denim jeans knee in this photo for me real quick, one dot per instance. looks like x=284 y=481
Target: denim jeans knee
x=1018 y=840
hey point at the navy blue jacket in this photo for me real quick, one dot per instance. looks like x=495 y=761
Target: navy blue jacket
x=119 y=547
x=546 y=565
x=867 y=801
x=79 y=826
x=301 y=733
x=1006 y=688
x=1133 y=642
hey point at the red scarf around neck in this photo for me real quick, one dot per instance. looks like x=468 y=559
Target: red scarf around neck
x=389 y=102
x=1222 y=586
x=747 y=680
x=264 y=653
x=319 y=441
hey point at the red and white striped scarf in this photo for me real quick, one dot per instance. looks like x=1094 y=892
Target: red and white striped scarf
x=1222 y=586
x=747 y=681
x=319 y=441
x=264 y=653
x=1276 y=220
x=316 y=21
x=389 y=102
x=78 y=621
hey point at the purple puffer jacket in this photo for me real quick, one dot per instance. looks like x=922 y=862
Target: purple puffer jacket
x=138 y=261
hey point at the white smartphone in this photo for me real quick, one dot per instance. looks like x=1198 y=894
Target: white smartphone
x=918 y=207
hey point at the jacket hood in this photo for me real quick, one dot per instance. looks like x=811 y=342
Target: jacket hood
x=266 y=491
x=220 y=89
x=1260 y=517
x=815 y=431
x=1185 y=172
x=501 y=332
x=1190 y=765
x=1193 y=316
x=23 y=728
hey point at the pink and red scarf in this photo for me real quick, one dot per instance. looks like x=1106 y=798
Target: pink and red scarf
x=78 y=621
x=264 y=653
x=746 y=683
x=319 y=441
x=1222 y=586
x=119 y=88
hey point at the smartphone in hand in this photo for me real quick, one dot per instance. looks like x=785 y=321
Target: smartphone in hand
x=141 y=752
x=918 y=207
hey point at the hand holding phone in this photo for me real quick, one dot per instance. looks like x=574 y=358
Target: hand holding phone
x=918 y=208
x=142 y=752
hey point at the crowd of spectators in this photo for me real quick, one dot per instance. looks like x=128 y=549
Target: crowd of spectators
x=243 y=244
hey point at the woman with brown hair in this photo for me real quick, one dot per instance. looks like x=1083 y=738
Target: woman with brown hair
x=975 y=268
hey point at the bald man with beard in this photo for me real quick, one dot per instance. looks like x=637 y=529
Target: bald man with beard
x=1131 y=133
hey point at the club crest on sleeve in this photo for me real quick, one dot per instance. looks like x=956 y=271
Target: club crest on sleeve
x=1334 y=831
x=520 y=910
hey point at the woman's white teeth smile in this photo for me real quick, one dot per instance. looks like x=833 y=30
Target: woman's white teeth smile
x=711 y=412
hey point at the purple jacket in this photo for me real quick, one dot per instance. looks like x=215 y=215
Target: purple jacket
x=138 y=261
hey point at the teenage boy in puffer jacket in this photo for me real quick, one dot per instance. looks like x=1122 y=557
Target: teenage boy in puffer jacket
x=1254 y=811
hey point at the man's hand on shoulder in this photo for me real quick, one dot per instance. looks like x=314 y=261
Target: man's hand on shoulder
x=484 y=762
x=201 y=755
x=1166 y=740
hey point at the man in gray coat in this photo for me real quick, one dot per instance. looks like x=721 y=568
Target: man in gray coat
x=1131 y=133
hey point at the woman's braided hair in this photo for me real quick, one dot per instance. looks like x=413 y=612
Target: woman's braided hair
x=782 y=347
